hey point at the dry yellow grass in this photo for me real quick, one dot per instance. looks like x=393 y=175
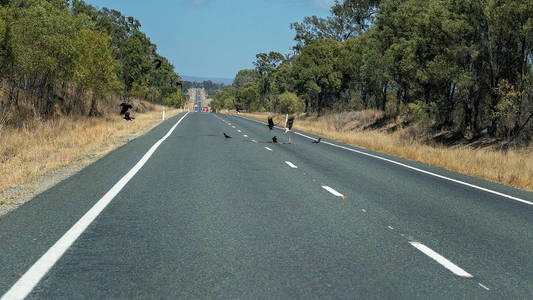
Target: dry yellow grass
x=42 y=147
x=512 y=167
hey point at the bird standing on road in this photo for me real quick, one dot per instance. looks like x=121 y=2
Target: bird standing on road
x=125 y=107
x=275 y=139
x=289 y=123
x=317 y=141
x=227 y=136
x=127 y=116
x=270 y=123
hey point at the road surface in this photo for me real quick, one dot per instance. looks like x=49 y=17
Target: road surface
x=183 y=213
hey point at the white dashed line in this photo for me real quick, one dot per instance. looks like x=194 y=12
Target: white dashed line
x=232 y=126
x=291 y=165
x=481 y=285
x=268 y=149
x=363 y=210
x=390 y=227
x=31 y=277
x=441 y=260
x=245 y=135
x=239 y=131
x=410 y=167
x=334 y=192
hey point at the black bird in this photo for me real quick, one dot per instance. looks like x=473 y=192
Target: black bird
x=158 y=63
x=127 y=117
x=317 y=141
x=270 y=123
x=125 y=107
x=275 y=140
x=227 y=136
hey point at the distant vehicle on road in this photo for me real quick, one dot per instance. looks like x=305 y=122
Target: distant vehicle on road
x=205 y=109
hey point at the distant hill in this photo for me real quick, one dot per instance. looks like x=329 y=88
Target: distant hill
x=225 y=81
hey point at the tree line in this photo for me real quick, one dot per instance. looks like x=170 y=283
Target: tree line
x=464 y=65
x=70 y=56
x=210 y=87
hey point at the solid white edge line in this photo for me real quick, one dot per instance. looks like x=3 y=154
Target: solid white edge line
x=268 y=149
x=35 y=273
x=334 y=192
x=441 y=260
x=291 y=165
x=413 y=168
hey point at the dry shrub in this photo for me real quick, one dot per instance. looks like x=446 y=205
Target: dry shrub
x=40 y=146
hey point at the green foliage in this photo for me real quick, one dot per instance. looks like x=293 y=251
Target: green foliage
x=317 y=73
x=59 y=56
x=224 y=99
x=266 y=65
x=348 y=19
x=507 y=109
x=290 y=103
x=461 y=65
x=245 y=76
x=247 y=95
x=414 y=112
x=175 y=99
x=94 y=63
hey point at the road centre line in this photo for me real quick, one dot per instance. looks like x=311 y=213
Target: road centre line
x=40 y=268
x=410 y=167
x=245 y=135
x=268 y=149
x=291 y=165
x=481 y=285
x=334 y=192
x=441 y=260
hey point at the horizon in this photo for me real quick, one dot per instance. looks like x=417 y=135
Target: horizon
x=232 y=32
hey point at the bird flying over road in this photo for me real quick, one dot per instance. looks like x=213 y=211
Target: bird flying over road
x=270 y=123
x=125 y=107
x=275 y=139
x=317 y=141
x=227 y=136
x=158 y=63
x=127 y=117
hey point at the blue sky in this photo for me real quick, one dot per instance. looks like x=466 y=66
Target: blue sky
x=216 y=38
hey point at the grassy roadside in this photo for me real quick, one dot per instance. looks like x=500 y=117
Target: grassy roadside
x=511 y=167
x=44 y=147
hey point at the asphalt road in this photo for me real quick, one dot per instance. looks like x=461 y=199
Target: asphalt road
x=208 y=217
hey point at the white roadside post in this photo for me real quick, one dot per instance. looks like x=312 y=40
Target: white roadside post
x=163 y=116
